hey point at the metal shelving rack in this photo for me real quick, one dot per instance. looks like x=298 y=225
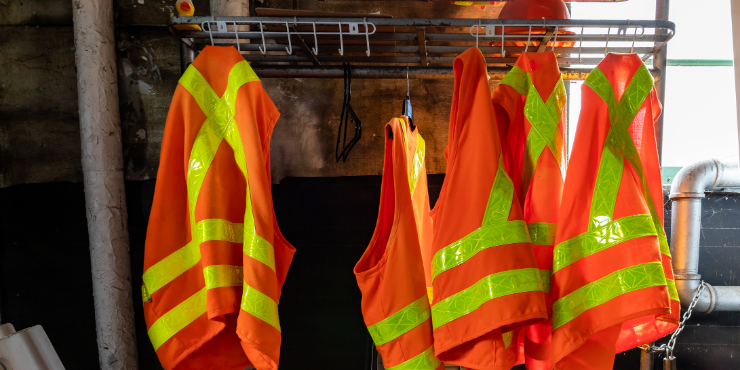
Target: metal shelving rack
x=383 y=47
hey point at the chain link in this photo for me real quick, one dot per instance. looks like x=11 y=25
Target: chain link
x=668 y=348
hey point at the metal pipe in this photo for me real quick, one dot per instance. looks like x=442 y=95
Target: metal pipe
x=102 y=170
x=394 y=72
x=686 y=194
x=187 y=55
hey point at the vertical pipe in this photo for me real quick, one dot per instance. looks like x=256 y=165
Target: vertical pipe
x=659 y=62
x=102 y=169
x=187 y=55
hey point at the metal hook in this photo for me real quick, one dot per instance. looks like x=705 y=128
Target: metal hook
x=408 y=89
x=367 y=36
x=606 y=46
x=634 y=38
x=503 y=51
x=555 y=40
x=341 y=43
x=477 y=31
x=289 y=49
x=580 y=46
x=210 y=32
x=236 y=33
x=315 y=49
x=529 y=37
x=262 y=48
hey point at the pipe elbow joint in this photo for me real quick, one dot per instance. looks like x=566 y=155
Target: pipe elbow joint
x=706 y=302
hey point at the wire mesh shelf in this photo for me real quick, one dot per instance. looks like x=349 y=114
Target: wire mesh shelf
x=315 y=44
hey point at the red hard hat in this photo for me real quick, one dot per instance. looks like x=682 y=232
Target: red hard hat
x=534 y=9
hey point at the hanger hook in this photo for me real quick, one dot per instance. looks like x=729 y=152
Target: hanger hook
x=236 y=33
x=555 y=40
x=210 y=32
x=580 y=46
x=289 y=49
x=529 y=37
x=341 y=43
x=606 y=45
x=262 y=48
x=477 y=31
x=315 y=49
x=503 y=51
x=367 y=36
x=408 y=88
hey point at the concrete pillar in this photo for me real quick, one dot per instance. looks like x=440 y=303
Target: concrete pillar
x=230 y=8
x=102 y=169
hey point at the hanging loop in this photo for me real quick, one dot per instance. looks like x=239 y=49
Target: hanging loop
x=606 y=46
x=529 y=37
x=555 y=40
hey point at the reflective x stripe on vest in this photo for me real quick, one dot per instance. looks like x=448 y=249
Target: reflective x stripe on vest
x=603 y=231
x=544 y=117
x=219 y=125
x=495 y=231
x=418 y=160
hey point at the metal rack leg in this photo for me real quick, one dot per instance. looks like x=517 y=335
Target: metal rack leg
x=187 y=55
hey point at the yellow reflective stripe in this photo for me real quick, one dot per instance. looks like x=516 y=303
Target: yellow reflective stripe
x=260 y=249
x=199 y=89
x=672 y=291
x=594 y=294
x=217 y=276
x=507 y=337
x=177 y=318
x=418 y=163
x=260 y=306
x=172 y=266
x=422 y=361
x=544 y=118
x=430 y=294
x=495 y=231
x=601 y=238
x=400 y=322
x=483 y=238
x=489 y=288
x=546 y=276
x=542 y=233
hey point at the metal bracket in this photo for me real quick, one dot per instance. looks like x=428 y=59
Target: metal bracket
x=354 y=28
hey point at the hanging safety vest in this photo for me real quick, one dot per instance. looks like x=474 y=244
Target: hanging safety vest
x=215 y=260
x=530 y=113
x=612 y=283
x=390 y=273
x=485 y=276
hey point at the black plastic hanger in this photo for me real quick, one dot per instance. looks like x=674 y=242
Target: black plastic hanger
x=407 y=111
x=347 y=117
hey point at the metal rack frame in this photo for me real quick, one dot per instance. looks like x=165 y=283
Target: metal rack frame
x=313 y=47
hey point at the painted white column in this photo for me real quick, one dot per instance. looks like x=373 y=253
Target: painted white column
x=735 y=9
x=105 y=196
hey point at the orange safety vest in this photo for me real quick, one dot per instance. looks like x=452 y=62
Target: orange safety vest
x=390 y=273
x=530 y=113
x=215 y=260
x=485 y=276
x=612 y=283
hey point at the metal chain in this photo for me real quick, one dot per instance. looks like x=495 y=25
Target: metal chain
x=668 y=348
